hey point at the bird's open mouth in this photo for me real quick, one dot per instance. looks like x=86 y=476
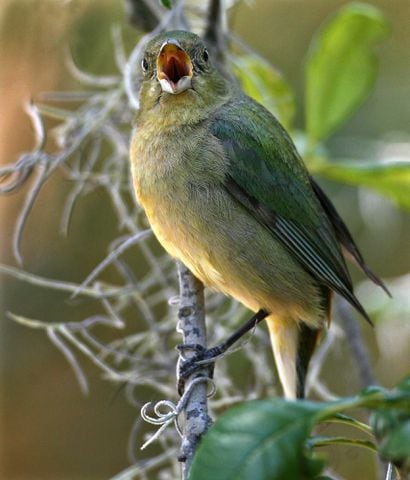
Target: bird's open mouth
x=174 y=68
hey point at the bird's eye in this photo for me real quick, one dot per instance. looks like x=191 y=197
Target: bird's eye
x=144 y=64
x=205 y=55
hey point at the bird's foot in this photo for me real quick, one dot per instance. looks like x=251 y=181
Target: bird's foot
x=203 y=360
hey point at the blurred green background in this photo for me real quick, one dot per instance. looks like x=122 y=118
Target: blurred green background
x=48 y=430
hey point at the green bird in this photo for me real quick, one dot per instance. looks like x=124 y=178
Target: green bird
x=226 y=192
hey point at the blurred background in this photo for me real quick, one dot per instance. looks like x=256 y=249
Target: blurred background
x=48 y=429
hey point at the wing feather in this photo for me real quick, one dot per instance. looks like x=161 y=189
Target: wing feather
x=344 y=236
x=267 y=176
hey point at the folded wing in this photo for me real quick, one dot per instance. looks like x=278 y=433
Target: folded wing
x=267 y=176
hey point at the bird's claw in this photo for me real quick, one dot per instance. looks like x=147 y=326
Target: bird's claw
x=203 y=359
x=197 y=348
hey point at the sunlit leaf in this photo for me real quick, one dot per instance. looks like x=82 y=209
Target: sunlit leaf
x=391 y=179
x=265 y=85
x=341 y=67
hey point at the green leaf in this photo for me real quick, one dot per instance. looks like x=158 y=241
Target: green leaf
x=265 y=85
x=269 y=440
x=392 y=429
x=166 y=3
x=341 y=67
x=404 y=386
x=391 y=179
x=396 y=446
x=258 y=440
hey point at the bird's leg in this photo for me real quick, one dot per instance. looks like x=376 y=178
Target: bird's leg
x=208 y=355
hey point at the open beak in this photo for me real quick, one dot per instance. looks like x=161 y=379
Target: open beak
x=174 y=68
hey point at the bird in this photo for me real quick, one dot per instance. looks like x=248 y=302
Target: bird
x=227 y=193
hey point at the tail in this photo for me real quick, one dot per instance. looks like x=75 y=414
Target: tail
x=293 y=344
x=344 y=236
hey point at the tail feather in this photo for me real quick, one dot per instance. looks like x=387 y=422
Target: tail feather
x=307 y=340
x=293 y=344
x=344 y=236
x=284 y=339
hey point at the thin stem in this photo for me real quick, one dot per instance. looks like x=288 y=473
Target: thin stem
x=327 y=441
x=98 y=293
x=352 y=422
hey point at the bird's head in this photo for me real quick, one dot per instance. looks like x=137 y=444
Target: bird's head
x=178 y=72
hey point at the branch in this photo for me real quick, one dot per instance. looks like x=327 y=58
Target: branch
x=356 y=343
x=215 y=31
x=192 y=327
x=215 y=34
x=143 y=15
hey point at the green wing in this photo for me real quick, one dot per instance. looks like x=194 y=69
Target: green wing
x=267 y=176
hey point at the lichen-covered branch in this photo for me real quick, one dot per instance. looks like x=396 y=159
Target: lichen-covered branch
x=191 y=324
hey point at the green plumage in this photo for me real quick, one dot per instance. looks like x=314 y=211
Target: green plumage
x=226 y=192
x=268 y=177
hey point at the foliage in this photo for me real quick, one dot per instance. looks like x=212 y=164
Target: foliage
x=270 y=439
x=391 y=427
x=260 y=440
x=166 y=3
x=389 y=178
x=341 y=67
x=340 y=73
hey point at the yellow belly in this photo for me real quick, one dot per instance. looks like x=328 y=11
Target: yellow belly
x=198 y=222
x=231 y=252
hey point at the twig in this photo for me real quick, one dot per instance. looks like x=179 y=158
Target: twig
x=192 y=326
x=79 y=186
x=38 y=126
x=93 y=292
x=143 y=15
x=70 y=357
x=89 y=78
x=318 y=361
x=26 y=209
x=129 y=242
x=215 y=34
x=356 y=343
x=144 y=466
x=360 y=353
